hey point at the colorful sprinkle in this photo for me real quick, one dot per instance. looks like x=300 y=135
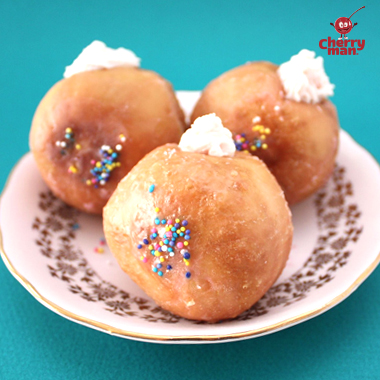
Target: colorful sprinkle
x=243 y=144
x=100 y=248
x=256 y=119
x=73 y=169
x=68 y=141
x=165 y=239
x=151 y=188
x=101 y=170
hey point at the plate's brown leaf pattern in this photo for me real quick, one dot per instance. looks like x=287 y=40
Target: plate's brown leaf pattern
x=56 y=240
x=338 y=223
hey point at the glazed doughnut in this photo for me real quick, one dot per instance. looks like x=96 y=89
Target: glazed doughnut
x=282 y=116
x=92 y=127
x=205 y=236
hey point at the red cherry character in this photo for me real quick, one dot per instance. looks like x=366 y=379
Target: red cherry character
x=343 y=25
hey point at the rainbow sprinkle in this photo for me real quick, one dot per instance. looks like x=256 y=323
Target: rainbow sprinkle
x=75 y=226
x=102 y=169
x=102 y=243
x=73 y=169
x=68 y=141
x=168 y=238
x=242 y=143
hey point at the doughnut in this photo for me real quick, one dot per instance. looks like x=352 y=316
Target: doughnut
x=203 y=234
x=282 y=115
x=93 y=126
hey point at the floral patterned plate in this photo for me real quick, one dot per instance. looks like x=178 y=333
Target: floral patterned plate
x=59 y=255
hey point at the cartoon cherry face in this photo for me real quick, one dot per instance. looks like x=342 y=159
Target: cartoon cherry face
x=343 y=25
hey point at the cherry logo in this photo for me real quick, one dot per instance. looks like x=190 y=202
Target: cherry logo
x=343 y=25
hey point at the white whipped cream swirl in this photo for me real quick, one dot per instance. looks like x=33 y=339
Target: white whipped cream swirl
x=207 y=135
x=304 y=78
x=98 y=56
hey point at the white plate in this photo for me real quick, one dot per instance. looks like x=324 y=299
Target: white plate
x=336 y=246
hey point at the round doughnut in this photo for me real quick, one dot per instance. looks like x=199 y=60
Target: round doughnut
x=297 y=140
x=235 y=223
x=90 y=130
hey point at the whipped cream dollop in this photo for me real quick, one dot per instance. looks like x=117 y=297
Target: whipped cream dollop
x=98 y=56
x=207 y=135
x=304 y=78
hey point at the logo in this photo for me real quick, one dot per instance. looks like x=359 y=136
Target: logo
x=343 y=45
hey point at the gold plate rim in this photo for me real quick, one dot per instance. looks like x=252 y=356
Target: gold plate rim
x=179 y=338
